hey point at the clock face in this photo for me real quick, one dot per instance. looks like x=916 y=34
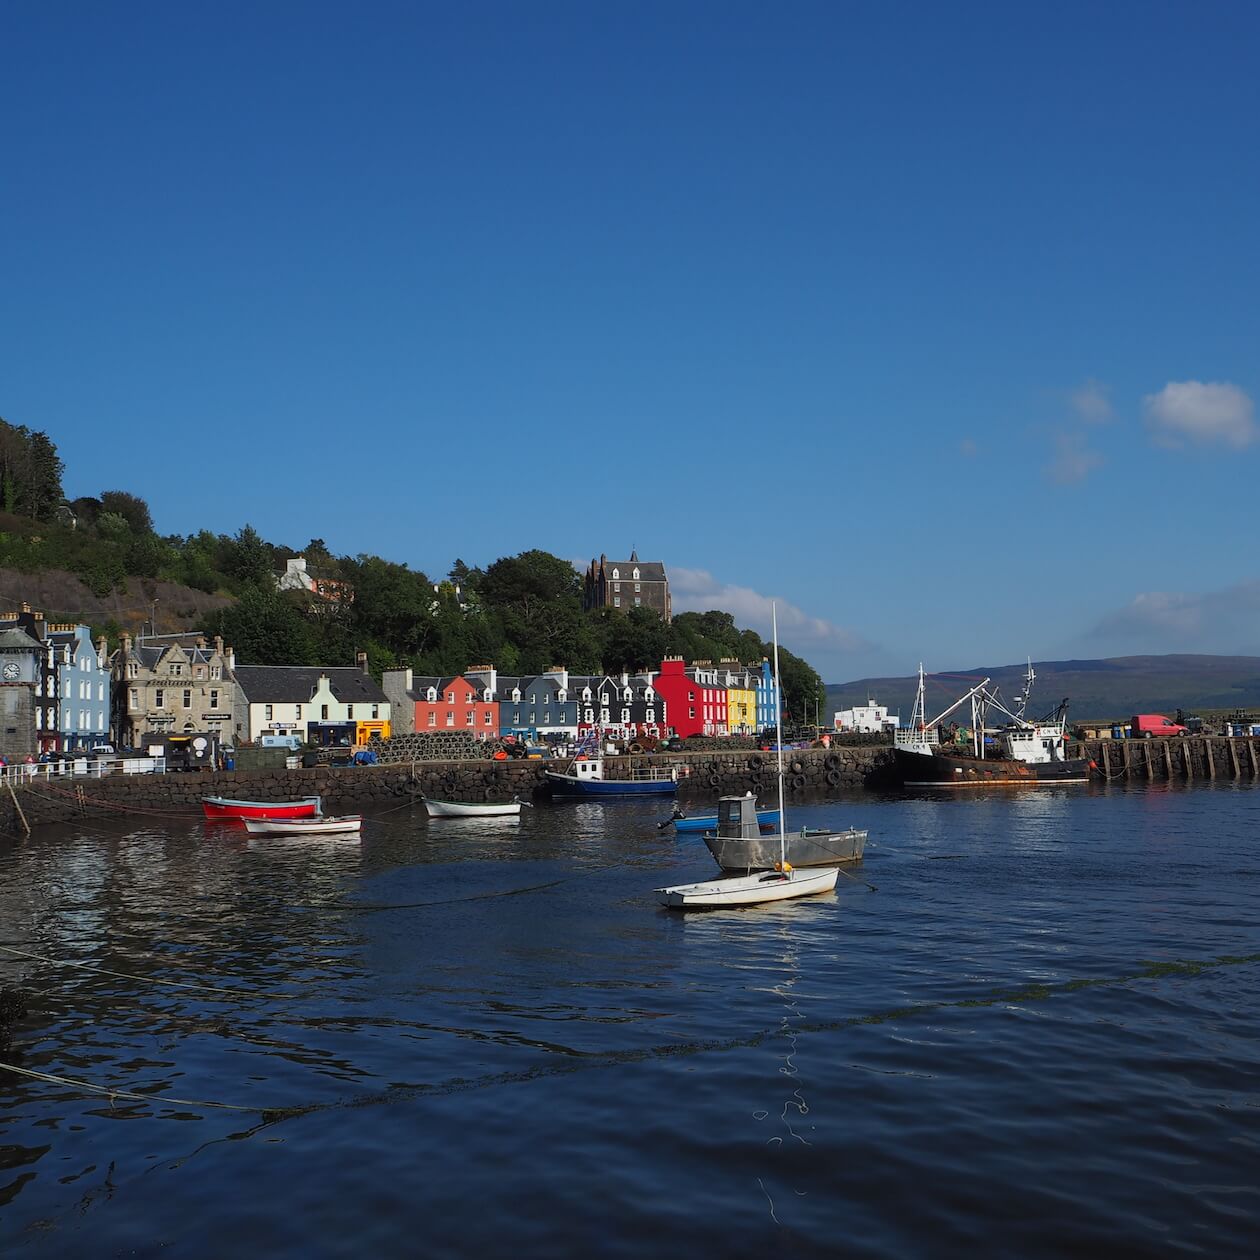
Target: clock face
x=11 y=669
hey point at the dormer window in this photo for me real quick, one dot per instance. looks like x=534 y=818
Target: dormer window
x=516 y=695
x=629 y=694
x=586 y=693
x=649 y=695
x=489 y=695
x=636 y=577
x=616 y=574
x=432 y=695
x=561 y=696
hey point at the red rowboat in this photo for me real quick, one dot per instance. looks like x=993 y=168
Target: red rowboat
x=221 y=808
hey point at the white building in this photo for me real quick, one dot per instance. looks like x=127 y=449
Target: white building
x=322 y=703
x=870 y=718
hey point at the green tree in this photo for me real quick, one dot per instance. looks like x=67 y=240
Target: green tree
x=247 y=559
x=133 y=509
x=265 y=628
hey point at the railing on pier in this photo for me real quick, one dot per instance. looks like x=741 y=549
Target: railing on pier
x=81 y=768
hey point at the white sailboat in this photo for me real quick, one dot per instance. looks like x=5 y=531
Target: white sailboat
x=780 y=884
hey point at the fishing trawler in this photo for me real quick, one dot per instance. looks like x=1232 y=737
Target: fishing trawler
x=1024 y=753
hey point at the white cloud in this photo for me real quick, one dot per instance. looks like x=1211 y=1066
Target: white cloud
x=1092 y=402
x=1073 y=460
x=1222 y=622
x=696 y=590
x=1192 y=411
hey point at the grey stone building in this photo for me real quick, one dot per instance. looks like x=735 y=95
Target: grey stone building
x=21 y=678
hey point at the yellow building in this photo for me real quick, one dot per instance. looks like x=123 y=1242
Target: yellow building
x=741 y=711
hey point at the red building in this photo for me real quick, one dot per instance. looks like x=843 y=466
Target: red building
x=441 y=704
x=695 y=697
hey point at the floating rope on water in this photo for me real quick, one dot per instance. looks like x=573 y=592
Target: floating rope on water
x=125 y=975
x=111 y=1092
x=1185 y=968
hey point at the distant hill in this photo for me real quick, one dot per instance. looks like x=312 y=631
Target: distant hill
x=1096 y=690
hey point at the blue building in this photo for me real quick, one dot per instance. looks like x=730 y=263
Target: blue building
x=83 y=687
x=767 y=696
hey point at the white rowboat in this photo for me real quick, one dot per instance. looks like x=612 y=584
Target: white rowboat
x=470 y=809
x=749 y=890
x=348 y=824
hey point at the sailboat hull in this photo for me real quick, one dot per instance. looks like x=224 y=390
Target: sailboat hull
x=803 y=848
x=945 y=771
x=748 y=890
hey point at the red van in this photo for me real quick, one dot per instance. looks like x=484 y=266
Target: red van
x=1145 y=725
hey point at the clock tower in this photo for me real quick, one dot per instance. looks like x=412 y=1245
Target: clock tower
x=21 y=659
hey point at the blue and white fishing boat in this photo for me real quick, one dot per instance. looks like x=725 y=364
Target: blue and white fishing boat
x=767 y=820
x=585 y=778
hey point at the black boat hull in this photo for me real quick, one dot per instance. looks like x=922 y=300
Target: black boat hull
x=945 y=770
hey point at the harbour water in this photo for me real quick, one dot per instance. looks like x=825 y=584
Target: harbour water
x=1028 y=1024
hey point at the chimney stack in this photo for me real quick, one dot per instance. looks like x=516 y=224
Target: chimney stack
x=361 y=660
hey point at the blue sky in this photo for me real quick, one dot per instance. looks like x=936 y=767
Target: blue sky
x=936 y=323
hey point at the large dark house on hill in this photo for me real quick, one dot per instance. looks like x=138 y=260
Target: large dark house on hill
x=627 y=584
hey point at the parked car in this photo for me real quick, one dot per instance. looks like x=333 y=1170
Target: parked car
x=1147 y=725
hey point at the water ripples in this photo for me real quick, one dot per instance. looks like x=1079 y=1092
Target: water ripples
x=1037 y=1037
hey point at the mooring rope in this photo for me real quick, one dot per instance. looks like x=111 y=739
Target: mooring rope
x=1030 y=992
x=112 y=1092
x=125 y=975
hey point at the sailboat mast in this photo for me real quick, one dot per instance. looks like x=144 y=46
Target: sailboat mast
x=778 y=730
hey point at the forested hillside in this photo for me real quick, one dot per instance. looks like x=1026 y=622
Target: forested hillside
x=522 y=614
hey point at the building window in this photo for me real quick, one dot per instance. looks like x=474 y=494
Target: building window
x=616 y=601
x=450 y=717
x=187 y=699
x=376 y=712
x=637 y=589
x=297 y=712
x=651 y=715
x=349 y=713
x=216 y=672
x=488 y=717
x=616 y=586
x=450 y=697
x=637 y=602
x=432 y=718
x=691 y=712
x=266 y=713
x=470 y=719
x=214 y=700
x=590 y=715
x=177 y=670
x=625 y=715
x=135 y=698
x=323 y=713
x=159 y=699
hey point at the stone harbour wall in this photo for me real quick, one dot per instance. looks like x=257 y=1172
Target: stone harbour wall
x=369 y=789
x=702 y=777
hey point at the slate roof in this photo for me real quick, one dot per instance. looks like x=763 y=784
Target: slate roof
x=649 y=570
x=16 y=637
x=295 y=684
